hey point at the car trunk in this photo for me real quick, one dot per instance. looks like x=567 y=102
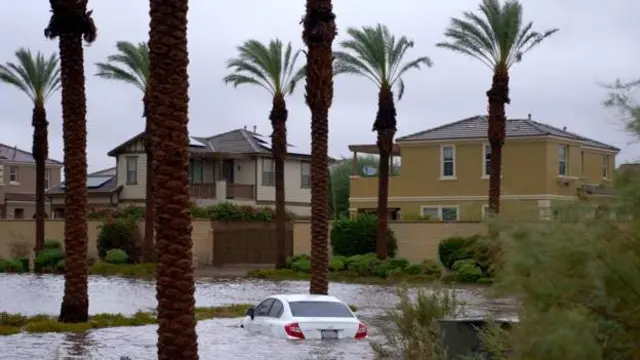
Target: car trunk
x=328 y=327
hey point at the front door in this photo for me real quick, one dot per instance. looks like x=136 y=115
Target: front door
x=227 y=170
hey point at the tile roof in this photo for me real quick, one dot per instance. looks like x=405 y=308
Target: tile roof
x=12 y=153
x=476 y=127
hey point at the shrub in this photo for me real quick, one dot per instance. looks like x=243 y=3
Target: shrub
x=53 y=244
x=116 y=256
x=467 y=271
x=132 y=212
x=295 y=258
x=59 y=266
x=357 y=236
x=413 y=269
x=24 y=260
x=232 y=212
x=364 y=265
x=119 y=234
x=431 y=267
x=456 y=248
x=336 y=264
x=398 y=263
x=48 y=258
x=303 y=264
x=11 y=266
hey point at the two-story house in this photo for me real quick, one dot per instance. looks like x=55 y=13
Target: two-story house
x=18 y=182
x=235 y=166
x=445 y=171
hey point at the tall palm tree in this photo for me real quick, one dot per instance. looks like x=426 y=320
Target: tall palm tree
x=71 y=22
x=39 y=78
x=498 y=38
x=273 y=68
x=318 y=34
x=131 y=65
x=377 y=55
x=169 y=103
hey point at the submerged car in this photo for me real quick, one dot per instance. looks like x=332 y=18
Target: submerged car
x=296 y=317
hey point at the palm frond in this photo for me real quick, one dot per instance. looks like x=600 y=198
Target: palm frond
x=272 y=66
x=38 y=77
x=377 y=55
x=130 y=64
x=496 y=36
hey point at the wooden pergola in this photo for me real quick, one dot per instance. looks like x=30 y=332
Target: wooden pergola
x=371 y=149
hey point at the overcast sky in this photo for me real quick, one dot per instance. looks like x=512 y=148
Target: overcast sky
x=557 y=82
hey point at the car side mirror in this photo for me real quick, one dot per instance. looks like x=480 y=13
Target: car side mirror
x=250 y=312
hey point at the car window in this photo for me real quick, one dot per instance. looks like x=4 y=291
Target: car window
x=276 y=309
x=263 y=308
x=320 y=309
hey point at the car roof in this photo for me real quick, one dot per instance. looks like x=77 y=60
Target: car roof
x=306 y=297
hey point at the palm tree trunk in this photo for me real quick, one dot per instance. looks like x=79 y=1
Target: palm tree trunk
x=278 y=119
x=385 y=125
x=318 y=34
x=40 y=153
x=75 y=303
x=169 y=100
x=498 y=96
x=149 y=211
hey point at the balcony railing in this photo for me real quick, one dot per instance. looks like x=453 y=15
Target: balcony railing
x=203 y=191
x=239 y=191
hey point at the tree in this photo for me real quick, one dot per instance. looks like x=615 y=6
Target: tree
x=71 y=22
x=498 y=38
x=273 y=68
x=622 y=96
x=39 y=78
x=318 y=34
x=375 y=54
x=131 y=65
x=168 y=106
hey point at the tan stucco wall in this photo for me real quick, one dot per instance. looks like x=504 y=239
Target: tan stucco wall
x=416 y=240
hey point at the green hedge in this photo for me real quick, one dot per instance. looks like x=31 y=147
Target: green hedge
x=467 y=258
x=120 y=234
x=358 y=236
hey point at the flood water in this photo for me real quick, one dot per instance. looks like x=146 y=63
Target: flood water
x=218 y=338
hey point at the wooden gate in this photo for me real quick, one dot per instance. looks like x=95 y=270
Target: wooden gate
x=247 y=242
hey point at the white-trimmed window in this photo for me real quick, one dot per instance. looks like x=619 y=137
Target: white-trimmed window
x=441 y=212
x=486 y=160
x=605 y=166
x=268 y=172
x=448 y=161
x=563 y=160
x=47 y=179
x=485 y=211
x=305 y=175
x=13 y=174
x=196 y=171
x=132 y=170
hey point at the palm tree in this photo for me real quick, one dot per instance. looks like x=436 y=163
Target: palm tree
x=318 y=34
x=71 y=22
x=375 y=54
x=131 y=65
x=39 y=78
x=273 y=68
x=498 y=38
x=168 y=103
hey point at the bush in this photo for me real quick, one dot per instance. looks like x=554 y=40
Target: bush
x=49 y=258
x=357 y=236
x=398 y=263
x=119 y=234
x=59 y=266
x=24 y=260
x=295 y=258
x=232 y=212
x=466 y=271
x=52 y=244
x=456 y=248
x=116 y=256
x=132 y=212
x=364 y=265
x=11 y=266
x=336 y=264
x=431 y=267
x=303 y=264
x=413 y=269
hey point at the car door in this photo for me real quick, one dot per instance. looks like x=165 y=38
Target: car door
x=260 y=313
x=272 y=323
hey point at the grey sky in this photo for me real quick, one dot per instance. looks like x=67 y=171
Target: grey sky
x=557 y=82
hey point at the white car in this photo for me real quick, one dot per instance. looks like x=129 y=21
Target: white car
x=296 y=317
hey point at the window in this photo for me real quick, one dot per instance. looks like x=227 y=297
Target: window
x=448 y=159
x=18 y=213
x=132 y=170
x=268 y=172
x=305 y=175
x=485 y=212
x=196 y=174
x=327 y=309
x=563 y=160
x=486 y=159
x=442 y=213
x=46 y=178
x=263 y=308
x=276 y=309
x=582 y=163
x=605 y=166
x=13 y=174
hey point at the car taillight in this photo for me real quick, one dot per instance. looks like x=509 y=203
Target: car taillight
x=362 y=331
x=294 y=330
